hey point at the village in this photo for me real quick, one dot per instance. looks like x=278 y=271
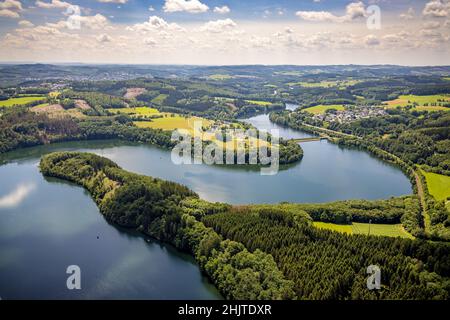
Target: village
x=350 y=114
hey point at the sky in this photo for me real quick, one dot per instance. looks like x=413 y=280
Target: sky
x=221 y=32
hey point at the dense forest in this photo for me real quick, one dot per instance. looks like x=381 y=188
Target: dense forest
x=267 y=252
x=329 y=265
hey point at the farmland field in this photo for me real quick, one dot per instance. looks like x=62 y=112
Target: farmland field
x=320 y=109
x=259 y=103
x=219 y=77
x=20 y=101
x=140 y=111
x=325 y=84
x=430 y=103
x=438 y=186
x=387 y=230
x=170 y=123
x=159 y=100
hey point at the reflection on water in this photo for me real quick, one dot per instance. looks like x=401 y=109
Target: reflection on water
x=57 y=224
x=16 y=196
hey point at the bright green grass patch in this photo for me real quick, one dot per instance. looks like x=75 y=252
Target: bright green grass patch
x=259 y=103
x=431 y=108
x=387 y=230
x=438 y=185
x=20 y=101
x=220 y=77
x=344 y=228
x=159 y=100
x=141 y=111
x=320 y=109
x=342 y=84
x=171 y=122
x=405 y=100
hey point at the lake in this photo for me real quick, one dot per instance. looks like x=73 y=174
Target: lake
x=47 y=225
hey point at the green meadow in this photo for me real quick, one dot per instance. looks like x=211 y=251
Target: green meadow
x=387 y=230
x=430 y=103
x=438 y=186
x=159 y=100
x=20 y=101
x=320 y=109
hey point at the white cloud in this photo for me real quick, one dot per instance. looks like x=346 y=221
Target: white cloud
x=437 y=8
x=150 y=42
x=353 y=11
x=431 y=25
x=54 y=4
x=408 y=15
x=8 y=13
x=371 y=40
x=218 y=26
x=95 y=22
x=102 y=38
x=10 y=8
x=113 y=1
x=222 y=10
x=25 y=23
x=155 y=24
x=316 y=15
x=151 y=9
x=191 y=6
x=11 y=5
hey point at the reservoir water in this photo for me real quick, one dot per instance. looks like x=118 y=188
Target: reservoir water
x=47 y=225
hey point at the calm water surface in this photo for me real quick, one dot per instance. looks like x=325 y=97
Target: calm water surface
x=47 y=225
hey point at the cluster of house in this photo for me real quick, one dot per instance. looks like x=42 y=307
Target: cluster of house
x=351 y=113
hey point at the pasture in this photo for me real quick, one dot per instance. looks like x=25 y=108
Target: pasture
x=421 y=103
x=341 y=84
x=220 y=77
x=320 y=109
x=259 y=103
x=171 y=122
x=387 y=230
x=438 y=186
x=20 y=100
x=139 y=111
x=159 y=100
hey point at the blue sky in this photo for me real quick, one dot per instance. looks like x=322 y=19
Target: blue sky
x=226 y=32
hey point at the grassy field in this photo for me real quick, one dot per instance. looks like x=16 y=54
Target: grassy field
x=159 y=100
x=438 y=186
x=423 y=102
x=320 y=109
x=259 y=103
x=140 y=111
x=220 y=77
x=387 y=230
x=169 y=123
x=325 y=84
x=20 y=101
